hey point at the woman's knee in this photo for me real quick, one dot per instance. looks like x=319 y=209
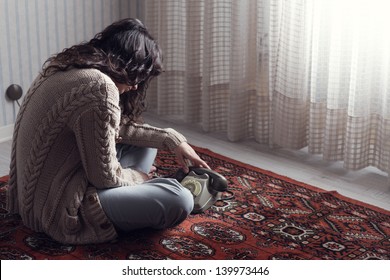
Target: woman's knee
x=139 y=158
x=185 y=200
x=158 y=203
x=180 y=204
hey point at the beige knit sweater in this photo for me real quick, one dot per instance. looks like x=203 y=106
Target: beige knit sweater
x=64 y=150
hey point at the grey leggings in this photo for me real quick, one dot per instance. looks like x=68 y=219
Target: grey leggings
x=158 y=203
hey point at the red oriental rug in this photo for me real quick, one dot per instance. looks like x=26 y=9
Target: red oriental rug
x=270 y=217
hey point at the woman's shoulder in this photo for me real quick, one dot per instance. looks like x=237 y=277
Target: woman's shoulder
x=89 y=83
x=91 y=75
x=93 y=78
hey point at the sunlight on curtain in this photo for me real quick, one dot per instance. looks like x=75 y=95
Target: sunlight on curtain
x=293 y=74
x=349 y=82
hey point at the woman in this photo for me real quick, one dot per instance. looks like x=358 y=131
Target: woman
x=80 y=157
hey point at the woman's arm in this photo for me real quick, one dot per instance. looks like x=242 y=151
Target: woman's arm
x=95 y=131
x=161 y=138
x=145 y=135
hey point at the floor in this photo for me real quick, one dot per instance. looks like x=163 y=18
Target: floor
x=369 y=185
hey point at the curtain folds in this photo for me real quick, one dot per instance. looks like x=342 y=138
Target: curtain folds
x=290 y=74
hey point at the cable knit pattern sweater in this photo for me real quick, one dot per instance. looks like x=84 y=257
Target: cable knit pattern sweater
x=63 y=150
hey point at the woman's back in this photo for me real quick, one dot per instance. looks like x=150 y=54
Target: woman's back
x=47 y=164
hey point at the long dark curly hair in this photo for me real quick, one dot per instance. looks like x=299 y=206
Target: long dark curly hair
x=126 y=52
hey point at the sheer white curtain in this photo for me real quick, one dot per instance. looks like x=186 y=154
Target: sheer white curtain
x=288 y=73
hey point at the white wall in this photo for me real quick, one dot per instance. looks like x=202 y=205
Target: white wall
x=33 y=30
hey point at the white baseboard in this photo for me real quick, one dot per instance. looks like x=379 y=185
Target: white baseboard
x=6 y=132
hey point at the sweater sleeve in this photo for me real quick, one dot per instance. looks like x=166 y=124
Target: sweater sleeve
x=148 y=136
x=95 y=131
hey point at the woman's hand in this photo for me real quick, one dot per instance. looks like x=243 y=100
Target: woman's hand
x=184 y=152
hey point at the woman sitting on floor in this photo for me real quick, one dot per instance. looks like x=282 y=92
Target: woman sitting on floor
x=80 y=157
